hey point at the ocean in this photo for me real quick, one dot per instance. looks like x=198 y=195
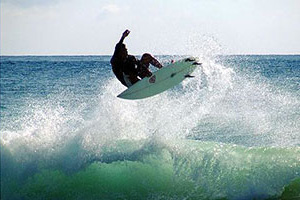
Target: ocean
x=232 y=132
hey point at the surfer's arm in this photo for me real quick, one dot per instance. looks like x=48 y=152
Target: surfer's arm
x=124 y=35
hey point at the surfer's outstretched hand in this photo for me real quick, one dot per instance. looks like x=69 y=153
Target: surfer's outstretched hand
x=126 y=33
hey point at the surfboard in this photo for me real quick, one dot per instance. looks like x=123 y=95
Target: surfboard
x=161 y=80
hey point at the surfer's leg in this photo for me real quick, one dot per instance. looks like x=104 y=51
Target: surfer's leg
x=130 y=79
x=149 y=59
x=146 y=60
x=143 y=66
x=143 y=71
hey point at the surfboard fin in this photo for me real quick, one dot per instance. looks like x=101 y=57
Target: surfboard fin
x=190 y=59
x=189 y=76
x=196 y=63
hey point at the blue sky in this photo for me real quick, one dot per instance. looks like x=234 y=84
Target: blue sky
x=84 y=27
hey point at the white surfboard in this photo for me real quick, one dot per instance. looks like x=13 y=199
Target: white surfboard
x=161 y=79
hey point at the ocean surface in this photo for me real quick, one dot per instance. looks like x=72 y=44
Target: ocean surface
x=232 y=132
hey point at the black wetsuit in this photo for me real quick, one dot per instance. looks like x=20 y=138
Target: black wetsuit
x=129 y=66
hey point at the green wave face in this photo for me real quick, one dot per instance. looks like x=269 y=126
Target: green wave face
x=180 y=169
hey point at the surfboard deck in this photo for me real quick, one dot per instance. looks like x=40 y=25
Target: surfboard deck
x=161 y=79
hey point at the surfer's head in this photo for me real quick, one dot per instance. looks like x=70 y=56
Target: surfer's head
x=122 y=50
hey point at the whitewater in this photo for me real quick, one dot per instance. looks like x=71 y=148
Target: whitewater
x=232 y=132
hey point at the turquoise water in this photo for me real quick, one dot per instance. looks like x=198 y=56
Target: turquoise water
x=232 y=132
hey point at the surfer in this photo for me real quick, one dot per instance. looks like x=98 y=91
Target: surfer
x=127 y=68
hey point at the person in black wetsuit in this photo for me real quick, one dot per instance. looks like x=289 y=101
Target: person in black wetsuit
x=127 y=68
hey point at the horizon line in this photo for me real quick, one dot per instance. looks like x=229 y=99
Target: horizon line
x=238 y=54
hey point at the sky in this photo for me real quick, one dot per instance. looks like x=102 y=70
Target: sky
x=93 y=27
